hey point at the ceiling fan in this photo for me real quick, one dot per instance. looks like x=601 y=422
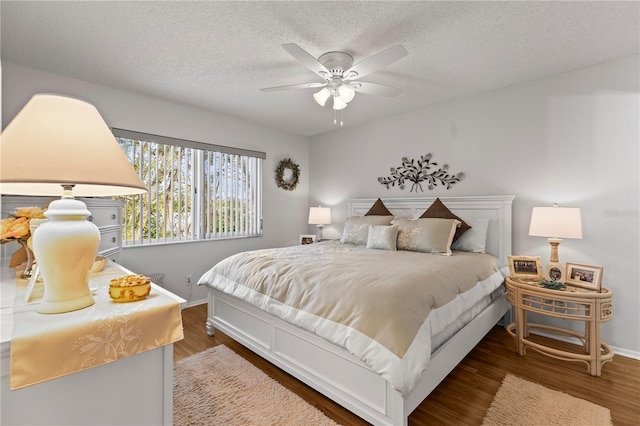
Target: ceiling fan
x=341 y=76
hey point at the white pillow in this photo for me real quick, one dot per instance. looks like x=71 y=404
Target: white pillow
x=427 y=235
x=382 y=237
x=475 y=239
x=356 y=229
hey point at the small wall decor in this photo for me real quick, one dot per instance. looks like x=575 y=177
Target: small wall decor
x=287 y=174
x=417 y=171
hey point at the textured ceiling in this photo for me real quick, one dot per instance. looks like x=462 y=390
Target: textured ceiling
x=218 y=55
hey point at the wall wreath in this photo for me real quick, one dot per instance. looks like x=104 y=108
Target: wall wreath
x=287 y=175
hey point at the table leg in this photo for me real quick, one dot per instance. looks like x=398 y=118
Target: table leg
x=521 y=318
x=595 y=351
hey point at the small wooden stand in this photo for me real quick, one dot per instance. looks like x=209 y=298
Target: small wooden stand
x=574 y=304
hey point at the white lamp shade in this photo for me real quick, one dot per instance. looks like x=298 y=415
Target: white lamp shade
x=319 y=216
x=56 y=140
x=556 y=222
x=347 y=93
x=338 y=103
x=322 y=96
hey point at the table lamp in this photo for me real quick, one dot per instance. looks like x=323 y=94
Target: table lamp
x=555 y=223
x=319 y=216
x=58 y=145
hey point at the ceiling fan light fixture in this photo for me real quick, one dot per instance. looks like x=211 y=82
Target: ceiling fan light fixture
x=321 y=96
x=338 y=102
x=351 y=75
x=346 y=92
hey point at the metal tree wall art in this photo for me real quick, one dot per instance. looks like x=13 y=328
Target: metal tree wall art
x=418 y=171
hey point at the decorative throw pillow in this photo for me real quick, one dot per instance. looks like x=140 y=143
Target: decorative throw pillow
x=356 y=229
x=378 y=209
x=429 y=235
x=475 y=239
x=382 y=237
x=439 y=210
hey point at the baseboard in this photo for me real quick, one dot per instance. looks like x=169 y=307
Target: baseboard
x=193 y=303
x=618 y=351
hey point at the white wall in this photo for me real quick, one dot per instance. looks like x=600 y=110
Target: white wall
x=571 y=139
x=285 y=212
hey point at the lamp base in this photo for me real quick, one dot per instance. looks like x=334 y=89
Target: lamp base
x=65 y=248
x=66 y=306
x=554 y=272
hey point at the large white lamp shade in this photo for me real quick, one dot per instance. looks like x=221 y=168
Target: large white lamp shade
x=60 y=145
x=555 y=223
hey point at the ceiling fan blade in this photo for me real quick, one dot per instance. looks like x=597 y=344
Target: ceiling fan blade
x=294 y=86
x=307 y=60
x=375 y=62
x=374 y=89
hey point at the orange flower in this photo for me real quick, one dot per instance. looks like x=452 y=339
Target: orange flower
x=35 y=212
x=4 y=227
x=14 y=228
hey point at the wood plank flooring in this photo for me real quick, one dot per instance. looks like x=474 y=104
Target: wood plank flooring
x=465 y=395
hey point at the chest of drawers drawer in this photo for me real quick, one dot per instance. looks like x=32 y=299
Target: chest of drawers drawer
x=110 y=238
x=105 y=216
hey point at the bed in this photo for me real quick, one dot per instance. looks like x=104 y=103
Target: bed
x=333 y=352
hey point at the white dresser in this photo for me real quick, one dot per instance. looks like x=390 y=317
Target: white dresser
x=133 y=390
x=105 y=214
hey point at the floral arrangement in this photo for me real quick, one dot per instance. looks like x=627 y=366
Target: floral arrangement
x=16 y=228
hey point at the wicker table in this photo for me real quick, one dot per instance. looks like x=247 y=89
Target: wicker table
x=573 y=304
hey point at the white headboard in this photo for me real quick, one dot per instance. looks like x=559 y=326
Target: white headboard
x=496 y=208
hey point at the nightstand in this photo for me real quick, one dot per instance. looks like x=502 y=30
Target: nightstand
x=572 y=303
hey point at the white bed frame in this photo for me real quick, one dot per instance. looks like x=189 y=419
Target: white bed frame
x=335 y=372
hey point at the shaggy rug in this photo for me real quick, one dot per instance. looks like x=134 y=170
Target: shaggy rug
x=219 y=387
x=519 y=402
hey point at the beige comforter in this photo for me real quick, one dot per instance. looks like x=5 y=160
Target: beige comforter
x=384 y=295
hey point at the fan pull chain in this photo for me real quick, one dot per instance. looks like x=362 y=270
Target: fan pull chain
x=335 y=118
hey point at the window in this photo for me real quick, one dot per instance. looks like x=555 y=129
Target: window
x=196 y=191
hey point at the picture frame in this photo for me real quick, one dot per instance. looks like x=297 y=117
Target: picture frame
x=307 y=239
x=529 y=267
x=584 y=276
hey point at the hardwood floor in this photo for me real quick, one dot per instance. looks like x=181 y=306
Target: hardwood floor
x=465 y=395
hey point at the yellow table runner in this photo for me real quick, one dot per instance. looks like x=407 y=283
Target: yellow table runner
x=45 y=347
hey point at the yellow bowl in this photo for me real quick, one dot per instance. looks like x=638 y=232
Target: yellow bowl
x=129 y=288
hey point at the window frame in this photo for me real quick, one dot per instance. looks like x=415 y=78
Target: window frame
x=198 y=185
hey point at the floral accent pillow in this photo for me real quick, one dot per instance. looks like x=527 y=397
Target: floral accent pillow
x=356 y=229
x=382 y=237
x=428 y=235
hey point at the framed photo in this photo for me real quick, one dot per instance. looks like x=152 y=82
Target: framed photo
x=585 y=276
x=525 y=267
x=307 y=239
